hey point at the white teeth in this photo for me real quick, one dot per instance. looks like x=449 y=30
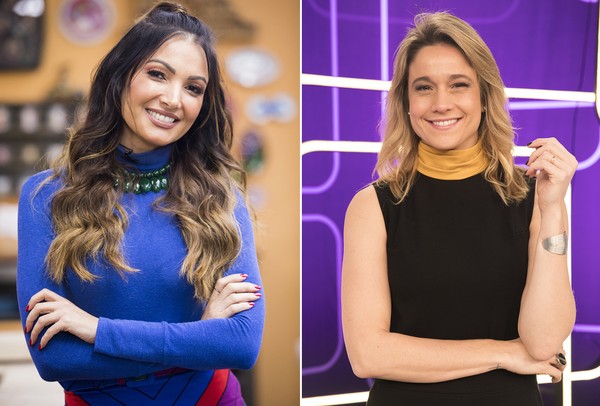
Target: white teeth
x=160 y=117
x=444 y=123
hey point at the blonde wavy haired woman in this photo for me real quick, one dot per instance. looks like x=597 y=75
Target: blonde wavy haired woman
x=137 y=276
x=455 y=286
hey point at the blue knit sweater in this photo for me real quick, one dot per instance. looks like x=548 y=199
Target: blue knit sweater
x=148 y=321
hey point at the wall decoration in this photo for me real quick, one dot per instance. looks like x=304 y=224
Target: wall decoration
x=29 y=119
x=30 y=154
x=86 y=21
x=56 y=118
x=21 y=31
x=34 y=136
x=262 y=109
x=5 y=185
x=5 y=155
x=252 y=67
x=4 y=119
x=252 y=152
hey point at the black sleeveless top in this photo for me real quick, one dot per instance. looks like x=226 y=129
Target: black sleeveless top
x=457 y=264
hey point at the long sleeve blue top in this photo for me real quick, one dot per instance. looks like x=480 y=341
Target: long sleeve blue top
x=149 y=320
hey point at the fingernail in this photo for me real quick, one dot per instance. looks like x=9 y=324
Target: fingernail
x=243 y=275
x=30 y=343
x=258 y=294
x=27 y=308
x=529 y=143
x=251 y=304
x=257 y=287
x=40 y=347
x=25 y=329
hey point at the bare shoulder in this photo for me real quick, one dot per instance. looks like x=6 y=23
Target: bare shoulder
x=364 y=213
x=364 y=202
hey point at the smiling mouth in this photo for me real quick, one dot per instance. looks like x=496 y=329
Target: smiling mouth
x=160 y=117
x=444 y=123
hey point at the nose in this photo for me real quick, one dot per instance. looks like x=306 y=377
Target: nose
x=171 y=98
x=442 y=101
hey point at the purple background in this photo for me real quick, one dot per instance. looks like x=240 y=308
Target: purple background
x=544 y=44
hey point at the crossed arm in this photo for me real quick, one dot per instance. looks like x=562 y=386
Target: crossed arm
x=375 y=352
x=68 y=343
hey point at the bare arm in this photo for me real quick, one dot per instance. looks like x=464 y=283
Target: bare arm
x=376 y=352
x=547 y=307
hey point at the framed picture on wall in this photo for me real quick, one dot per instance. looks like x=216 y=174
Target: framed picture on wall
x=21 y=25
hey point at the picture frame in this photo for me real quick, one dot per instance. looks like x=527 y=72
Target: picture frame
x=21 y=33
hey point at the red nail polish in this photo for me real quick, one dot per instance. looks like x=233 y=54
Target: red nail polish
x=257 y=287
x=258 y=294
x=30 y=343
x=25 y=329
x=251 y=304
x=40 y=347
x=27 y=308
x=243 y=275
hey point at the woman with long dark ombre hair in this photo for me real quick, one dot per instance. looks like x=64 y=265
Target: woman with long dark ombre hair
x=137 y=276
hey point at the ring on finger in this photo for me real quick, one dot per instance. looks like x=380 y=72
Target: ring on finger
x=561 y=359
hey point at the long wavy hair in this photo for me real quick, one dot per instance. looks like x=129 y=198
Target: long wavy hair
x=88 y=217
x=397 y=160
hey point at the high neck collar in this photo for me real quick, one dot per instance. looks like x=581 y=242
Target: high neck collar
x=145 y=161
x=451 y=165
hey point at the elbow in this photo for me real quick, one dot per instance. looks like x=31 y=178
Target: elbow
x=54 y=366
x=248 y=350
x=365 y=354
x=542 y=348
x=361 y=370
x=247 y=357
x=542 y=352
x=49 y=372
x=246 y=362
x=362 y=365
x=47 y=376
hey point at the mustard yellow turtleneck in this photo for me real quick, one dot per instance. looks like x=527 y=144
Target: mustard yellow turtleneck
x=451 y=165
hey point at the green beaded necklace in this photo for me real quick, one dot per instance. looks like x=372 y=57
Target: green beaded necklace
x=142 y=182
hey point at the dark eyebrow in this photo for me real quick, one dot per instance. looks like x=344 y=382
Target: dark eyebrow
x=451 y=77
x=173 y=71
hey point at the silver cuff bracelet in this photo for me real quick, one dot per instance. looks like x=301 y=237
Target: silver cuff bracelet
x=556 y=244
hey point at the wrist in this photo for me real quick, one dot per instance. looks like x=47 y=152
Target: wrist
x=551 y=211
x=552 y=221
x=93 y=331
x=501 y=351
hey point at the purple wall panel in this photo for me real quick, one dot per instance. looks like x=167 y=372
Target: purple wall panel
x=537 y=44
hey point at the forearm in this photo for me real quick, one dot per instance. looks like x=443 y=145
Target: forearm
x=404 y=358
x=66 y=359
x=232 y=342
x=204 y=344
x=547 y=308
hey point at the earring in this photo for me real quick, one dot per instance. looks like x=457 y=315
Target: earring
x=408 y=113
